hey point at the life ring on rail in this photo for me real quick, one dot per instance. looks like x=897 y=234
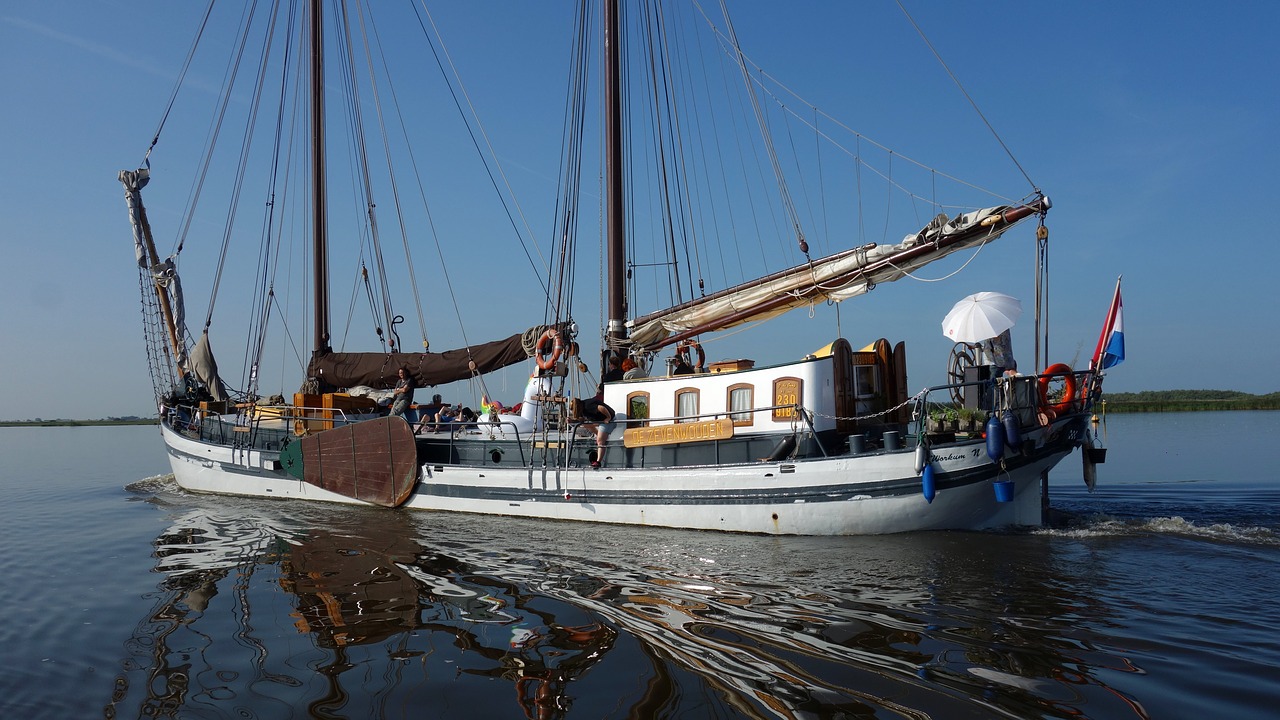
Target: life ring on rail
x=547 y=358
x=1063 y=371
x=685 y=346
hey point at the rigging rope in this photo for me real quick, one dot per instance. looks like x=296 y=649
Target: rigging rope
x=669 y=176
x=182 y=74
x=264 y=287
x=976 y=109
x=733 y=52
x=395 y=101
x=461 y=90
x=246 y=141
x=360 y=152
x=788 y=205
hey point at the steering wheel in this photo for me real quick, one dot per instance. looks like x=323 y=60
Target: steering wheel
x=962 y=358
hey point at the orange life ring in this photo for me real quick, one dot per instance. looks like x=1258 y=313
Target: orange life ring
x=1063 y=371
x=683 y=349
x=545 y=361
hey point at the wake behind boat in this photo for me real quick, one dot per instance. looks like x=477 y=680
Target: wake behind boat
x=828 y=443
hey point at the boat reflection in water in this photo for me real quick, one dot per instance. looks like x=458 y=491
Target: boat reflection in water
x=358 y=613
x=376 y=605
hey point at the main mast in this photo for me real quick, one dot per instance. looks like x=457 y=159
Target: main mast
x=320 y=248
x=616 y=272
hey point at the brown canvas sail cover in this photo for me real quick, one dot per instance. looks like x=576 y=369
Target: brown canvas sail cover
x=378 y=370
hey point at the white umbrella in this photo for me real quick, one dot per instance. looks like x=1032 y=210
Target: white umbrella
x=980 y=316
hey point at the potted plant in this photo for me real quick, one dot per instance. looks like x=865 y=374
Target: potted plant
x=943 y=419
x=972 y=420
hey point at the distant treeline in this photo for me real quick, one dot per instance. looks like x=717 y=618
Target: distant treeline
x=78 y=423
x=1189 y=401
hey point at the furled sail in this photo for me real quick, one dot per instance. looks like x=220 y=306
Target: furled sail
x=349 y=369
x=205 y=368
x=165 y=275
x=837 y=277
x=133 y=182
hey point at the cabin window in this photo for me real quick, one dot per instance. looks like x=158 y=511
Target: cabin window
x=866 y=384
x=741 y=401
x=865 y=381
x=638 y=409
x=786 y=393
x=686 y=404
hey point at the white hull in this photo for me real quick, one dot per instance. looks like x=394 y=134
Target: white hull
x=870 y=493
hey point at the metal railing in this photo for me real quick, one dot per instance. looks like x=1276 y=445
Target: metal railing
x=1020 y=394
x=251 y=428
x=458 y=426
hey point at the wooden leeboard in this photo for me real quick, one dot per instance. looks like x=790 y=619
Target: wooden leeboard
x=374 y=461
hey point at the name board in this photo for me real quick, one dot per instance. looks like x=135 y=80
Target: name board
x=721 y=429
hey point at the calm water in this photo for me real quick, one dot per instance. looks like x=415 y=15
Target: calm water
x=128 y=597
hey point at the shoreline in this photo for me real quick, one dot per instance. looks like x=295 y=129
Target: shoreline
x=1175 y=406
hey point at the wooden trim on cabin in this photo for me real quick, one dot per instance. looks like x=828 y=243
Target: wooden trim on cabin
x=787 y=391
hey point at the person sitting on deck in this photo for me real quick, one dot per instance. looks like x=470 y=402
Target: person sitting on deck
x=631 y=371
x=681 y=365
x=427 y=413
x=445 y=418
x=614 y=373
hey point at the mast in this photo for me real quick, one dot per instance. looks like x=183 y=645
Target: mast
x=616 y=272
x=320 y=248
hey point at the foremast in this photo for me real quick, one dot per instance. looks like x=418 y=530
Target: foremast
x=149 y=261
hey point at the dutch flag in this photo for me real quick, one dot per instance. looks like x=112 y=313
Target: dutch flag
x=1110 y=350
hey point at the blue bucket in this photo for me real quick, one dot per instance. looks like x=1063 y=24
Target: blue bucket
x=1004 y=490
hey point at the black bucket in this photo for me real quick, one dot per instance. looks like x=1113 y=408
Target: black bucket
x=1097 y=456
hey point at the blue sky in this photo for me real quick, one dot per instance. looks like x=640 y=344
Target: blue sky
x=1153 y=131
